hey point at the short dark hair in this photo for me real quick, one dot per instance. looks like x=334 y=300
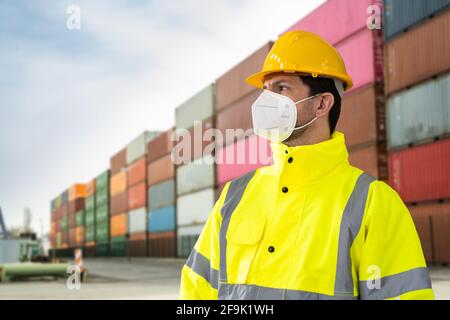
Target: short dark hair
x=322 y=85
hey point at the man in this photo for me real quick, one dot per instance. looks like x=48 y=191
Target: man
x=310 y=226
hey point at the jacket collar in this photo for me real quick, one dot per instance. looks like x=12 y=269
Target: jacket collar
x=311 y=162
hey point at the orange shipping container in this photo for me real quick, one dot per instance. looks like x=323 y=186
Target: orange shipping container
x=90 y=188
x=160 y=170
x=119 y=225
x=138 y=236
x=137 y=172
x=78 y=190
x=79 y=235
x=118 y=183
x=137 y=196
x=418 y=54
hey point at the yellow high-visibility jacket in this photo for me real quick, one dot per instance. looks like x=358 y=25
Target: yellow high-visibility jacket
x=308 y=227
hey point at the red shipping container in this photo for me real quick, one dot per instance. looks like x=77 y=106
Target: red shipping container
x=137 y=172
x=366 y=159
x=422 y=219
x=421 y=173
x=441 y=237
x=72 y=237
x=232 y=86
x=118 y=161
x=241 y=157
x=137 y=196
x=160 y=146
x=162 y=244
x=76 y=205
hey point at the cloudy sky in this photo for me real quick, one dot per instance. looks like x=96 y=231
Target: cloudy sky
x=69 y=99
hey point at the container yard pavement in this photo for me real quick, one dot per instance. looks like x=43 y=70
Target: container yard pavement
x=108 y=278
x=140 y=278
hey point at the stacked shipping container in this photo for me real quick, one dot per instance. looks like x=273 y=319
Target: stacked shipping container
x=415 y=79
x=118 y=204
x=417 y=65
x=195 y=177
x=137 y=193
x=161 y=197
x=76 y=204
x=239 y=151
x=102 y=216
x=89 y=220
x=362 y=117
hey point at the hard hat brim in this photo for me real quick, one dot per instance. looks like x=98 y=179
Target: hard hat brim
x=257 y=79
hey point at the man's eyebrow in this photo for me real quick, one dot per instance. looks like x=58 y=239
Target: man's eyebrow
x=278 y=82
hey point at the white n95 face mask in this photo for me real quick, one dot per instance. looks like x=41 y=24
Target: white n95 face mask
x=274 y=116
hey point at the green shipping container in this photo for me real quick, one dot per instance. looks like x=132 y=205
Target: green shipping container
x=102 y=250
x=89 y=234
x=90 y=218
x=102 y=197
x=80 y=218
x=64 y=224
x=118 y=246
x=102 y=233
x=102 y=214
x=102 y=181
x=90 y=202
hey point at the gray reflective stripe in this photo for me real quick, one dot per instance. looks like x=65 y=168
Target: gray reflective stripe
x=253 y=292
x=234 y=195
x=395 y=285
x=350 y=225
x=202 y=266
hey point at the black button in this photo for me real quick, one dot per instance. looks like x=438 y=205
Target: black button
x=290 y=159
x=286 y=151
x=284 y=189
x=271 y=249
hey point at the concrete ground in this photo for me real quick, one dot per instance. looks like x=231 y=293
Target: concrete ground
x=140 y=278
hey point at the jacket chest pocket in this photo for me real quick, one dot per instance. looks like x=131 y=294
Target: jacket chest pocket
x=243 y=240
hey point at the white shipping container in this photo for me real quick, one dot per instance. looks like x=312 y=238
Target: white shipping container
x=195 y=176
x=420 y=113
x=197 y=108
x=137 y=220
x=10 y=250
x=194 y=208
x=138 y=147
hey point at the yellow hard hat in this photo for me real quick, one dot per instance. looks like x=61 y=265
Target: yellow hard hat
x=305 y=53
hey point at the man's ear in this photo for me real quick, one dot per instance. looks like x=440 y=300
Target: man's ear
x=325 y=105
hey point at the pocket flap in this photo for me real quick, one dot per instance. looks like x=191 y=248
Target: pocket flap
x=245 y=230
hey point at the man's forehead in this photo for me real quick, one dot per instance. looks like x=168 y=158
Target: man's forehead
x=280 y=76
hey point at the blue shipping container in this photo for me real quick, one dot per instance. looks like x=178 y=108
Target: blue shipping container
x=162 y=219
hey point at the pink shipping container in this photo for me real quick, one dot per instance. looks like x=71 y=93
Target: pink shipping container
x=359 y=53
x=421 y=173
x=335 y=21
x=241 y=157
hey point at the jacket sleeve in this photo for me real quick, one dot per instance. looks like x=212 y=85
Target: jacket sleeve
x=392 y=263
x=200 y=274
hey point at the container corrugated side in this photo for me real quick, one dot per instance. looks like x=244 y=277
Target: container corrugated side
x=137 y=220
x=194 y=208
x=401 y=15
x=418 y=55
x=197 y=108
x=195 y=176
x=161 y=195
x=419 y=114
x=421 y=173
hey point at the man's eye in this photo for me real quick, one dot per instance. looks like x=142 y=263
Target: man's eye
x=281 y=88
